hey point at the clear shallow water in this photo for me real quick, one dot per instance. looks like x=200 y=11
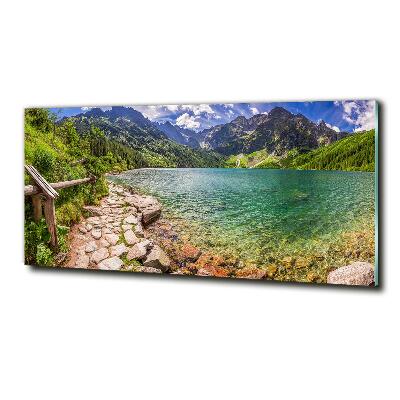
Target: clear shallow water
x=248 y=212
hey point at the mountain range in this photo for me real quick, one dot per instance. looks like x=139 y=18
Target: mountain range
x=277 y=132
x=131 y=128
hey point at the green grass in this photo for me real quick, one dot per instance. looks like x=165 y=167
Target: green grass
x=257 y=159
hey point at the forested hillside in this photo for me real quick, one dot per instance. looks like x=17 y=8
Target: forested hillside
x=353 y=153
x=129 y=127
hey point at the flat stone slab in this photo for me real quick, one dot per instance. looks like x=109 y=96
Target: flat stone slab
x=357 y=273
x=96 y=233
x=99 y=255
x=130 y=237
x=113 y=264
x=112 y=238
x=118 y=250
x=103 y=243
x=131 y=219
x=137 y=252
x=91 y=246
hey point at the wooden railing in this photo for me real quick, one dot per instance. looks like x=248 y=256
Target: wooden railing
x=44 y=193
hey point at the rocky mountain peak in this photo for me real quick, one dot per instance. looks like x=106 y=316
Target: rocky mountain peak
x=278 y=112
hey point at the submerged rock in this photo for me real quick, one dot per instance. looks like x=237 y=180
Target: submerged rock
x=190 y=253
x=357 y=273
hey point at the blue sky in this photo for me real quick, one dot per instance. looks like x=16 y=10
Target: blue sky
x=341 y=115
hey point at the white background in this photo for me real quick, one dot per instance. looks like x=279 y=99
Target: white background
x=67 y=335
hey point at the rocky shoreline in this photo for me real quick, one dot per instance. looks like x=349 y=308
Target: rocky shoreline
x=127 y=232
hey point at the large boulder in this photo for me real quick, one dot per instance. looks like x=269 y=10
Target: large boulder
x=357 y=273
x=157 y=259
x=149 y=207
x=151 y=214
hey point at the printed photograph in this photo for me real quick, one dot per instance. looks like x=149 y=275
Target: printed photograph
x=264 y=191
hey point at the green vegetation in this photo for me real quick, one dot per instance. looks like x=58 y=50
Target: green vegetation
x=257 y=159
x=353 y=153
x=155 y=148
x=59 y=153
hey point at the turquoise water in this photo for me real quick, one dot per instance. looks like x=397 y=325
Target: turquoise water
x=247 y=212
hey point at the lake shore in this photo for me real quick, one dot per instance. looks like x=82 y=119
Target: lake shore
x=127 y=231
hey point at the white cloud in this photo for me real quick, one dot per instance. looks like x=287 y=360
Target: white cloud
x=187 y=121
x=84 y=109
x=359 y=113
x=198 y=109
x=335 y=128
x=254 y=110
x=172 y=107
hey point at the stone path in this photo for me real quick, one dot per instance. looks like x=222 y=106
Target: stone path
x=113 y=237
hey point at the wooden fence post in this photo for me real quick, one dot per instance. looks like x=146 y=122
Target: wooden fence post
x=50 y=216
x=37 y=207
